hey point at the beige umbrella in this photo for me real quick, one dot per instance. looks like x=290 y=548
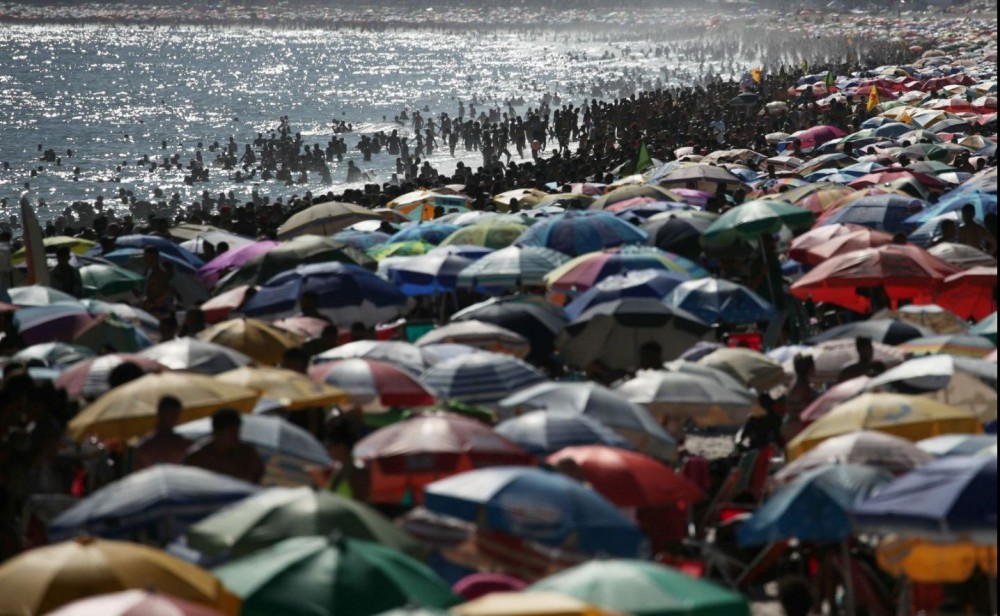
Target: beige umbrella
x=256 y=339
x=324 y=219
x=751 y=368
x=478 y=334
x=292 y=389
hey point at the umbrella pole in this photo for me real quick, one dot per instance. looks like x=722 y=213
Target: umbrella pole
x=904 y=598
x=848 y=578
x=993 y=595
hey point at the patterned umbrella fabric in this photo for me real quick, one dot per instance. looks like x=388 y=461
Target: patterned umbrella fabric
x=652 y=283
x=481 y=378
x=511 y=267
x=576 y=233
x=890 y=453
x=370 y=383
x=588 y=270
x=543 y=432
x=715 y=300
x=88 y=378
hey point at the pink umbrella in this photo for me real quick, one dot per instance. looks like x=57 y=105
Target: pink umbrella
x=818 y=135
x=689 y=195
x=232 y=259
x=89 y=378
x=134 y=603
x=218 y=308
x=992 y=356
x=368 y=381
x=309 y=328
x=840 y=392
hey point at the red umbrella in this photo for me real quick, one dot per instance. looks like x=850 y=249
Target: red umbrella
x=818 y=135
x=903 y=271
x=134 y=603
x=372 y=382
x=89 y=378
x=821 y=243
x=985 y=104
x=627 y=478
x=218 y=308
x=970 y=293
x=406 y=456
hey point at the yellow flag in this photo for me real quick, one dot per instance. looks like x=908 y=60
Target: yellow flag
x=755 y=74
x=873 y=98
x=805 y=66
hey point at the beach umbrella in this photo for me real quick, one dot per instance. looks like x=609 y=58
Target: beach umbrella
x=372 y=383
x=650 y=283
x=307 y=328
x=716 y=300
x=538 y=505
x=834 y=396
x=830 y=357
x=511 y=267
x=961 y=255
x=524 y=604
x=52 y=323
x=134 y=603
x=124 y=313
x=627 y=478
x=884 y=212
x=402 y=354
x=481 y=378
x=234 y=259
x=814 y=507
x=543 y=432
x=110 y=281
x=488 y=233
x=109 y=332
x=643 y=589
x=586 y=271
x=909 y=417
x=957 y=345
x=157 y=502
x=49 y=577
x=411 y=248
x=129 y=410
x=253 y=338
x=951 y=499
x=605 y=405
x=885 y=331
x=288 y=451
x=576 y=233
x=616 y=333
x=958 y=444
x=88 y=377
x=194 y=355
x=261 y=520
x=362 y=240
x=162 y=244
x=53 y=354
x=467 y=251
x=427 y=274
x=686 y=396
x=934 y=318
x=748 y=367
x=289 y=255
x=970 y=293
x=701 y=177
x=220 y=307
x=953 y=202
x=326 y=576
x=987 y=328
x=892 y=454
x=324 y=218
x=478 y=334
x=753 y=219
x=969 y=384
x=38 y=295
x=533 y=317
x=678 y=234
x=927 y=562
x=819 y=244
x=624 y=193
x=293 y=390
x=428 y=232
x=421 y=204
x=903 y=271
x=76 y=246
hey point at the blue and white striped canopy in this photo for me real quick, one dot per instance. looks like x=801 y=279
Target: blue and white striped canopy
x=480 y=378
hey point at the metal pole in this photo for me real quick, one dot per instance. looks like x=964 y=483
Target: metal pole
x=848 y=577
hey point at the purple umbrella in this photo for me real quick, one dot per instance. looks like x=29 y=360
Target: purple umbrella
x=232 y=259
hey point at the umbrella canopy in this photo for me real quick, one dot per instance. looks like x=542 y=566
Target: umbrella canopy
x=626 y=478
x=643 y=589
x=234 y=259
x=110 y=333
x=534 y=318
x=683 y=396
x=324 y=219
x=588 y=270
x=958 y=444
x=542 y=432
x=194 y=355
x=892 y=454
x=652 y=283
x=88 y=378
x=910 y=417
x=755 y=218
x=927 y=562
x=489 y=234
x=480 y=335
x=884 y=212
x=293 y=390
x=111 y=281
x=961 y=255
x=808 y=249
x=607 y=406
x=970 y=293
x=750 y=368
x=38 y=295
x=885 y=331
x=701 y=177
x=327 y=576
x=134 y=603
x=678 y=234
x=52 y=323
x=49 y=577
x=362 y=240
x=129 y=410
x=947 y=500
x=957 y=345
x=619 y=332
x=511 y=267
x=930 y=316
x=524 y=604
x=160 y=501
x=987 y=328
x=403 y=354
x=261 y=520
x=427 y=274
x=373 y=383
x=577 y=233
x=831 y=356
x=54 y=354
x=716 y=300
x=165 y=246
x=815 y=507
x=301 y=250
x=256 y=339
x=538 y=505
x=411 y=248
x=481 y=378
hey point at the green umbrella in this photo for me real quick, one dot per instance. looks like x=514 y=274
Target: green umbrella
x=400 y=249
x=489 y=234
x=266 y=518
x=322 y=576
x=644 y=589
x=754 y=219
x=104 y=281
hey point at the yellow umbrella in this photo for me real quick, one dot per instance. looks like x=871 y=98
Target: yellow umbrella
x=529 y=604
x=76 y=245
x=130 y=410
x=291 y=389
x=44 y=579
x=910 y=417
x=930 y=563
x=526 y=197
x=265 y=343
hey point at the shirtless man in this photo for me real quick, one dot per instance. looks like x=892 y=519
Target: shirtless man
x=159 y=298
x=971 y=233
x=163 y=445
x=224 y=452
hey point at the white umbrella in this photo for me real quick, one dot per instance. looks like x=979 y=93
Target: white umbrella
x=892 y=453
x=958 y=444
x=675 y=395
x=196 y=355
x=403 y=354
x=481 y=378
x=479 y=334
x=966 y=383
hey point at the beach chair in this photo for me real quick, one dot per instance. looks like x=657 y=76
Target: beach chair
x=746 y=482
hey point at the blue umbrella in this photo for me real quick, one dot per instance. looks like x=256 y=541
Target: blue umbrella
x=577 y=233
x=469 y=251
x=544 y=432
x=480 y=378
x=427 y=274
x=346 y=293
x=886 y=212
x=163 y=500
x=719 y=301
x=537 y=505
x=892 y=130
x=123 y=257
x=165 y=246
x=431 y=232
x=814 y=507
x=362 y=240
x=954 y=201
x=948 y=499
x=638 y=283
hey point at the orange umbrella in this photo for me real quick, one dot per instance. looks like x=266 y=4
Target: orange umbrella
x=846 y=238
x=971 y=293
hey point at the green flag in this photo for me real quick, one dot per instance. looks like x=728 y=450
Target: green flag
x=828 y=80
x=642 y=161
x=805 y=66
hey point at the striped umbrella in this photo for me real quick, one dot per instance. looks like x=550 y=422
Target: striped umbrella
x=89 y=378
x=715 y=300
x=576 y=233
x=959 y=345
x=429 y=232
x=639 y=283
x=362 y=240
x=109 y=332
x=753 y=219
x=38 y=295
x=585 y=271
x=402 y=354
x=324 y=219
x=685 y=396
x=480 y=378
x=427 y=274
x=373 y=384
x=543 y=432
x=479 y=334
x=511 y=267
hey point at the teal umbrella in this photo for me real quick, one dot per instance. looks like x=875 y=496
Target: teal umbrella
x=104 y=281
x=320 y=576
x=753 y=219
x=987 y=328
